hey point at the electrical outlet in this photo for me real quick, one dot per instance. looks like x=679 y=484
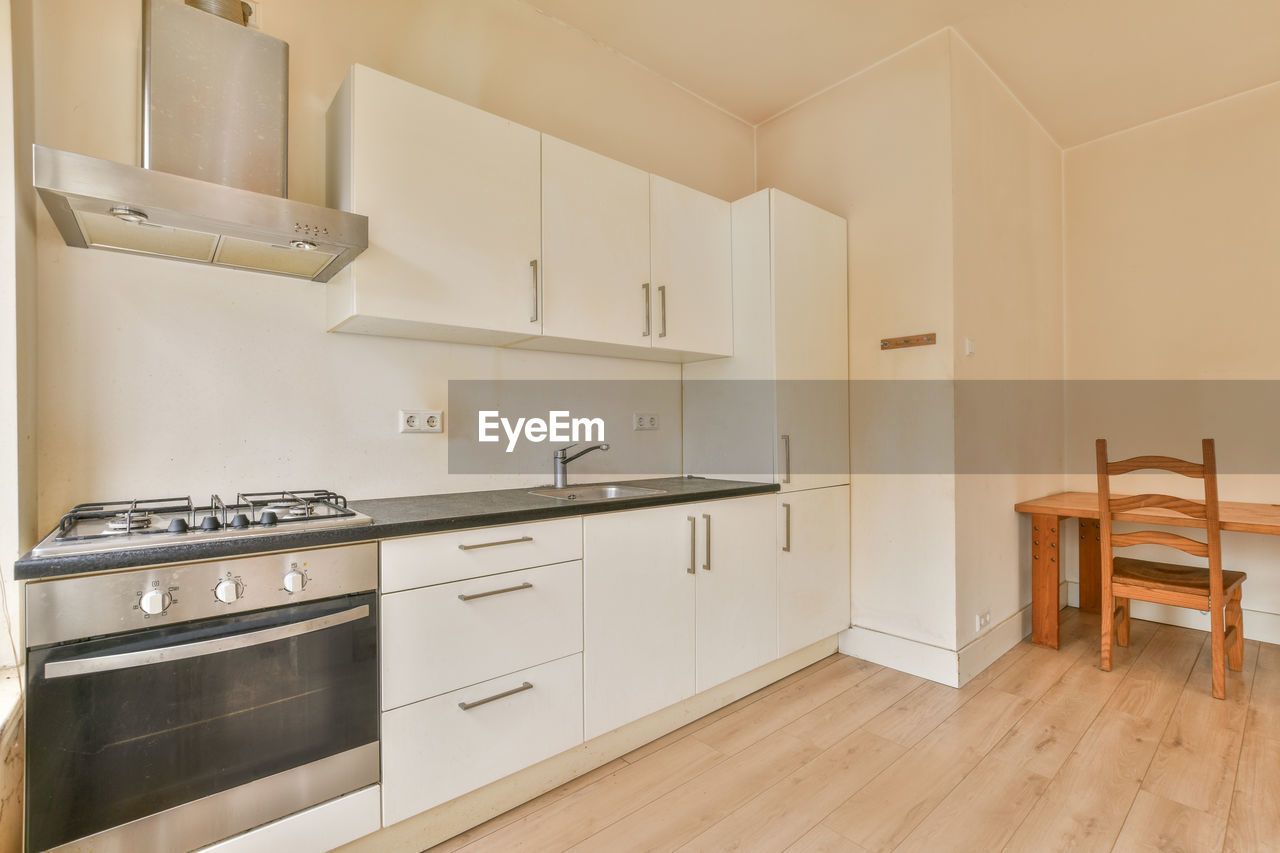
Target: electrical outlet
x=642 y=420
x=421 y=420
x=970 y=347
x=983 y=619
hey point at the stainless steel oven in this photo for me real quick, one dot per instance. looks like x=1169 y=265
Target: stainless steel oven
x=163 y=716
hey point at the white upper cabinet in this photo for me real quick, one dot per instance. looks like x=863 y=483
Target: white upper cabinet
x=482 y=231
x=692 y=295
x=453 y=196
x=595 y=242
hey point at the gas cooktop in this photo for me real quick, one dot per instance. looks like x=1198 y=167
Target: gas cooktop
x=122 y=525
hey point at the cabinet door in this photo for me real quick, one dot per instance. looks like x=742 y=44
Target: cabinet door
x=737 y=595
x=813 y=566
x=453 y=199
x=638 y=618
x=595 y=247
x=443 y=747
x=692 y=298
x=811 y=343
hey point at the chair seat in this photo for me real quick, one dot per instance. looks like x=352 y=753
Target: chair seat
x=1170 y=577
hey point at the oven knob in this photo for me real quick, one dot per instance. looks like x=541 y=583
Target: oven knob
x=154 y=602
x=227 y=591
x=294 y=581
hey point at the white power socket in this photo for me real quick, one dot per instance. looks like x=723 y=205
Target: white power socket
x=641 y=420
x=983 y=619
x=421 y=420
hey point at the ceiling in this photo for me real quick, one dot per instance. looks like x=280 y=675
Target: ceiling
x=1085 y=68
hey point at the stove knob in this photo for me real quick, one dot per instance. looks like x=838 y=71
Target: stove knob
x=240 y=522
x=294 y=581
x=210 y=523
x=154 y=602
x=268 y=518
x=178 y=525
x=227 y=591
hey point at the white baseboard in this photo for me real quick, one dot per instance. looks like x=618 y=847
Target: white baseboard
x=945 y=666
x=1258 y=624
x=911 y=656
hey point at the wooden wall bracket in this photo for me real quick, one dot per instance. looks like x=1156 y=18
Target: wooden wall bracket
x=925 y=340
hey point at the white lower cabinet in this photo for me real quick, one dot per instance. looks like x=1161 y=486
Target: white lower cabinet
x=737 y=597
x=813 y=566
x=441 y=748
x=440 y=638
x=659 y=601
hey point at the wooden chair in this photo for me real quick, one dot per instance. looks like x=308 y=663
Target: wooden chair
x=1124 y=578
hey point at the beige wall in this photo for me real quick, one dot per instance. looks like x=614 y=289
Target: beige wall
x=17 y=300
x=157 y=376
x=1173 y=267
x=876 y=150
x=1007 y=197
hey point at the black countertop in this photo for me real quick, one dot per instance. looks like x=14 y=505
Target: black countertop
x=394 y=517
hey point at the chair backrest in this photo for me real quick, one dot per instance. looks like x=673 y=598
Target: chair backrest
x=1205 y=511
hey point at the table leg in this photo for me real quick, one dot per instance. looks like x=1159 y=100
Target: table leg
x=1044 y=580
x=1090 y=566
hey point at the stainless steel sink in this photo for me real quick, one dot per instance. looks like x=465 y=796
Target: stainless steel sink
x=596 y=493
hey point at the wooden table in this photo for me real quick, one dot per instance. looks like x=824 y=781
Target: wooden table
x=1047 y=515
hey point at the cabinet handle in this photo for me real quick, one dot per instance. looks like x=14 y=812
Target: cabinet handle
x=533 y=265
x=473 y=596
x=786 y=459
x=467 y=706
x=648 y=319
x=786 y=515
x=662 y=302
x=693 y=544
x=706 y=518
x=491 y=544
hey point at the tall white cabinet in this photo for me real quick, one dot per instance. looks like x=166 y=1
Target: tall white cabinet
x=778 y=410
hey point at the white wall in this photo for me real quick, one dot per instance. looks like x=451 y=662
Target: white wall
x=157 y=377
x=1172 y=267
x=17 y=301
x=1007 y=196
x=876 y=150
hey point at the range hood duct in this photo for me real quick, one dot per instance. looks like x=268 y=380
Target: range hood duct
x=215 y=138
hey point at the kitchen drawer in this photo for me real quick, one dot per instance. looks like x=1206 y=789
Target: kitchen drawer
x=434 y=750
x=434 y=641
x=444 y=557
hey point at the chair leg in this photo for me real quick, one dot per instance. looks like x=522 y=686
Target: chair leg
x=1235 y=619
x=1108 y=625
x=1217 y=638
x=1122 y=622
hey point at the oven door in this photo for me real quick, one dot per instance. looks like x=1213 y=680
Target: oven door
x=131 y=725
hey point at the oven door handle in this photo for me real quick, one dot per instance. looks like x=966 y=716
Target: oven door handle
x=128 y=660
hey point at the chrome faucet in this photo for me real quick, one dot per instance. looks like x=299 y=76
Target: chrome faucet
x=559 y=462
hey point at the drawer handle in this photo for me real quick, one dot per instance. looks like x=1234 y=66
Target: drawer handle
x=467 y=706
x=475 y=595
x=491 y=544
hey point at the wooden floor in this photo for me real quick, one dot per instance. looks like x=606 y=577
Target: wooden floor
x=1041 y=752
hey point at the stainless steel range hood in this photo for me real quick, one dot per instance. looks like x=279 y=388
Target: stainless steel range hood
x=214 y=133
x=99 y=204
